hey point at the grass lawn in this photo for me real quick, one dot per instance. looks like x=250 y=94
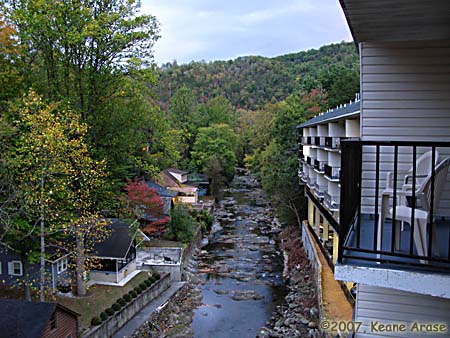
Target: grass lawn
x=100 y=297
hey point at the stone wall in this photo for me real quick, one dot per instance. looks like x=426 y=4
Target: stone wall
x=190 y=248
x=113 y=324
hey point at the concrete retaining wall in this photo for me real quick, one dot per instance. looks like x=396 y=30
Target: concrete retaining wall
x=313 y=256
x=174 y=270
x=113 y=324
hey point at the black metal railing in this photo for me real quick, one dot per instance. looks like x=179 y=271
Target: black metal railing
x=319 y=165
x=331 y=202
x=333 y=142
x=316 y=141
x=310 y=181
x=300 y=151
x=333 y=173
x=307 y=140
x=396 y=221
x=322 y=141
x=309 y=161
x=319 y=190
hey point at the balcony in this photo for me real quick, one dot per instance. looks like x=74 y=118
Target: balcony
x=319 y=166
x=332 y=173
x=318 y=141
x=398 y=223
x=333 y=143
x=310 y=182
x=319 y=190
x=331 y=202
x=309 y=161
x=306 y=140
x=302 y=175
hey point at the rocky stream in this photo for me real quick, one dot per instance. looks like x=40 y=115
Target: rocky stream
x=236 y=287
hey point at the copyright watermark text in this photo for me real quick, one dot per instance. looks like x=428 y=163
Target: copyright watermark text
x=377 y=326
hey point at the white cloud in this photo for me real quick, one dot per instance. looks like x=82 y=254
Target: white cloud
x=206 y=29
x=260 y=16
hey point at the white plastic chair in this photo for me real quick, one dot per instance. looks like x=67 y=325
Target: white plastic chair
x=423 y=169
x=423 y=208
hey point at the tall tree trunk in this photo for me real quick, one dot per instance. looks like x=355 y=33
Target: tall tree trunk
x=80 y=262
x=42 y=237
x=26 y=278
x=294 y=209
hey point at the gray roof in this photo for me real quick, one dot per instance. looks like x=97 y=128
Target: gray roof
x=163 y=192
x=117 y=244
x=335 y=114
x=22 y=319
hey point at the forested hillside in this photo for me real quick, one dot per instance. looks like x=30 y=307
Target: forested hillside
x=251 y=82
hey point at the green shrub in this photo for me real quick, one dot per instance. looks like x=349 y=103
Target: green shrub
x=127 y=297
x=143 y=286
x=103 y=316
x=133 y=294
x=110 y=311
x=138 y=290
x=116 y=307
x=148 y=283
x=156 y=275
x=151 y=280
x=205 y=219
x=181 y=226
x=122 y=302
x=96 y=321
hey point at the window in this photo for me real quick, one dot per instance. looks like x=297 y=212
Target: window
x=61 y=265
x=15 y=268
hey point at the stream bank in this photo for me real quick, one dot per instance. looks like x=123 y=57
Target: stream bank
x=235 y=279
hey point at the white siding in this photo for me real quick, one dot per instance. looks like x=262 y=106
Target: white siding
x=405 y=95
x=393 y=306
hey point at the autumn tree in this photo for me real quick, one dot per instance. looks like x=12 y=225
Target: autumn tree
x=56 y=179
x=10 y=52
x=143 y=202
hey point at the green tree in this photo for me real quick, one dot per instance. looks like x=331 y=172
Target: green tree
x=218 y=140
x=182 y=109
x=215 y=171
x=81 y=43
x=217 y=110
x=95 y=55
x=279 y=179
x=181 y=226
x=182 y=114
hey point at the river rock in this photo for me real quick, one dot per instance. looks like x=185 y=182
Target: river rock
x=240 y=295
x=216 y=227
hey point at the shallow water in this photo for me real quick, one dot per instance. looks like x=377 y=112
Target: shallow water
x=240 y=258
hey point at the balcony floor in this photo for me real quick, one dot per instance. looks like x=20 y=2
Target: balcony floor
x=395 y=262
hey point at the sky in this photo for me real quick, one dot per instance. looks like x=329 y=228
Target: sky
x=222 y=30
